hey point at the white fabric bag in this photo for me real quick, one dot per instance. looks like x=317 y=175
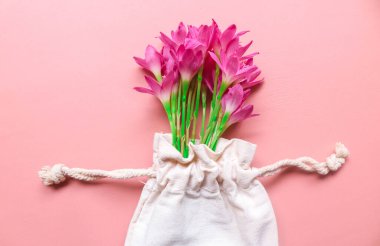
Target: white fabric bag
x=210 y=198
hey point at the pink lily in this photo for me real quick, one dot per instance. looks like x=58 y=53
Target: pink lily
x=229 y=40
x=233 y=99
x=161 y=91
x=252 y=81
x=209 y=73
x=178 y=37
x=204 y=37
x=189 y=63
x=169 y=61
x=197 y=38
x=152 y=61
x=231 y=73
x=232 y=105
x=242 y=113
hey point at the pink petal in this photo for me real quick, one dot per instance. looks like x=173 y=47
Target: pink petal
x=215 y=58
x=232 y=67
x=141 y=62
x=153 y=59
x=241 y=33
x=232 y=47
x=254 y=76
x=156 y=88
x=250 y=84
x=204 y=34
x=192 y=43
x=247 y=92
x=169 y=62
x=244 y=72
x=241 y=114
x=190 y=64
x=233 y=99
x=243 y=49
x=167 y=85
x=193 y=32
x=215 y=35
x=180 y=34
x=144 y=90
x=168 y=82
x=167 y=41
x=250 y=55
x=227 y=35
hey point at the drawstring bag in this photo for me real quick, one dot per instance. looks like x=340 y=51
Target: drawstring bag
x=209 y=198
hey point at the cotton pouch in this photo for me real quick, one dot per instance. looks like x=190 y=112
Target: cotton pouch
x=208 y=198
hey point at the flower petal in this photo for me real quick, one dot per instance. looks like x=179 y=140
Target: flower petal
x=216 y=59
x=141 y=62
x=233 y=99
x=180 y=34
x=144 y=90
x=232 y=67
x=243 y=49
x=153 y=60
x=241 y=114
x=227 y=35
x=153 y=84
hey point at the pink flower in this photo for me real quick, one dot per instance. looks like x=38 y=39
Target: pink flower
x=180 y=34
x=189 y=63
x=203 y=38
x=242 y=113
x=232 y=72
x=229 y=40
x=152 y=61
x=233 y=99
x=252 y=81
x=209 y=73
x=228 y=54
x=169 y=61
x=161 y=91
x=232 y=105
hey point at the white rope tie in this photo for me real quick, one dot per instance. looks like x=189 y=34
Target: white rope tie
x=59 y=172
x=308 y=164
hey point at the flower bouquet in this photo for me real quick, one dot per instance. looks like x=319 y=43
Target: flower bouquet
x=197 y=63
x=201 y=189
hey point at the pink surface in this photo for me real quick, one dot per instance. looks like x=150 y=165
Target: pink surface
x=66 y=78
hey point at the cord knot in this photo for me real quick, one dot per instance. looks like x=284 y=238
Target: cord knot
x=336 y=160
x=52 y=175
x=341 y=150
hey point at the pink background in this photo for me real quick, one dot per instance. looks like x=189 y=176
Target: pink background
x=66 y=78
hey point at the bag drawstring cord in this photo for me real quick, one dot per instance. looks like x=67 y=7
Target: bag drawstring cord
x=59 y=172
x=308 y=164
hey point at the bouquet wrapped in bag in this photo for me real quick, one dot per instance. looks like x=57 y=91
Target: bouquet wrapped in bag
x=201 y=190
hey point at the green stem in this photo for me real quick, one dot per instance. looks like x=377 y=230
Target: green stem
x=204 y=105
x=215 y=113
x=189 y=114
x=197 y=99
x=211 y=119
x=185 y=87
x=214 y=133
x=179 y=98
x=214 y=92
x=220 y=130
x=173 y=109
x=169 y=114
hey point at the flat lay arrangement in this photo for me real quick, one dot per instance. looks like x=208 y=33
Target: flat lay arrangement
x=201 y=188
